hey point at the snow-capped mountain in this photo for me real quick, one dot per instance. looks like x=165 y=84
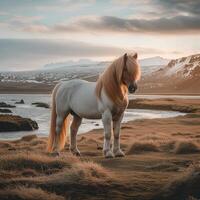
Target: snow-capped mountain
x=150 y=65
x=84 y=68
x=154 y=61
x=54 y=74
x=180 y=75
x=185 y=66
x=70 y=63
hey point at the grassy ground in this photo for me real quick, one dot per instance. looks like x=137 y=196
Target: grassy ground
x=162 y=162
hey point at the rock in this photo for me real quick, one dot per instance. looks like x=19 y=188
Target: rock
x=20 y=102
x=41 y=104
x=5 y=110
x=5 y=105
x=16 y=123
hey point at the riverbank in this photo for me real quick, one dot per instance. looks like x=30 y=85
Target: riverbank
x=162 y=159
x=170 y=104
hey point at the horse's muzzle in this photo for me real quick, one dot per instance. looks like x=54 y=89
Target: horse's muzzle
x=132 y=87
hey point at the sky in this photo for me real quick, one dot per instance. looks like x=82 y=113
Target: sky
x=37 y=32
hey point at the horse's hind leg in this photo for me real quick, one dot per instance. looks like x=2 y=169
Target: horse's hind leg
x=59 y=125
x=73 y=133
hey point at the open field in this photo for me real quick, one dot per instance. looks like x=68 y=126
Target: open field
x=162 y=161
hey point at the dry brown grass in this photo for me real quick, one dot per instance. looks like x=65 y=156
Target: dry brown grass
x=90 y=171
x=81 y=173
x=184 y=186
x=186 y=147
x=66 y=175
x=167 y=146
x=39 y=163
x=163 y=166
x=139 y=147
x=151 y=163
x=5 y=145
x=24 y=193
x=28 y=138
x=37 y=142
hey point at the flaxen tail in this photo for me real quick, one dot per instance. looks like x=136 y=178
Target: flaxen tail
x=56 y=141
x=60 y=144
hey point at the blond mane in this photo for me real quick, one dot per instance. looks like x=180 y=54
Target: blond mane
x=111 y=79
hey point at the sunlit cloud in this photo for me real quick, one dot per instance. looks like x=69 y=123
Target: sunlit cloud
x=95 y=29
x=178 y=24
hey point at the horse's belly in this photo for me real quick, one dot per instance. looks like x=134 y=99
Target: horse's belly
x=86 y=112
x=84 y=102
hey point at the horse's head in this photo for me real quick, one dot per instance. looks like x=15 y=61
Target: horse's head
x=119 y=78
x=130 y=72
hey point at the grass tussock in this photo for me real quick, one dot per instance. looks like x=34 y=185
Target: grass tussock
x=139 y=147
x=23 y=193
x=81 y=179
x=168 y=146
x=39 y=163
x=84 y=171
x=28 y=138
x=163 y=166
x=81 y=173
x=37 y=142
x=5 y=145
x=185 y=185
x=186 y=147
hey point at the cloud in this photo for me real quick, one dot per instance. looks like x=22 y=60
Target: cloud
x=3 y=13
x=11 y=6
x=150 y=16
x=163 y=7
x=173 y=25
x=32 y=53
x=181 y=6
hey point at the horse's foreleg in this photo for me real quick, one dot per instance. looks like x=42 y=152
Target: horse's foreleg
x=107 y=123
x=73 y=133
x=116 y=129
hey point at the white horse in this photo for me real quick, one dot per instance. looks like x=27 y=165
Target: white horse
x=107 y=99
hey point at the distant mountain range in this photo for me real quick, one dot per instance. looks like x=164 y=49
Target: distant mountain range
x=84 y=68
x=154 y=61
x=70 y=63
x=159 y=75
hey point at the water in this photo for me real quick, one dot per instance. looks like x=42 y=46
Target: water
x=42 y=115
x=164 y=96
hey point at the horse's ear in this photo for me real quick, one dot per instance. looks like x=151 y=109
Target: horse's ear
x=125 y=58
x=135 y=56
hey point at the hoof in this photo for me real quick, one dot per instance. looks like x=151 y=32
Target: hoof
x=119 y=153
x=75 y=152
x=55 y=153
x=78 y=154
x=108 y=154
